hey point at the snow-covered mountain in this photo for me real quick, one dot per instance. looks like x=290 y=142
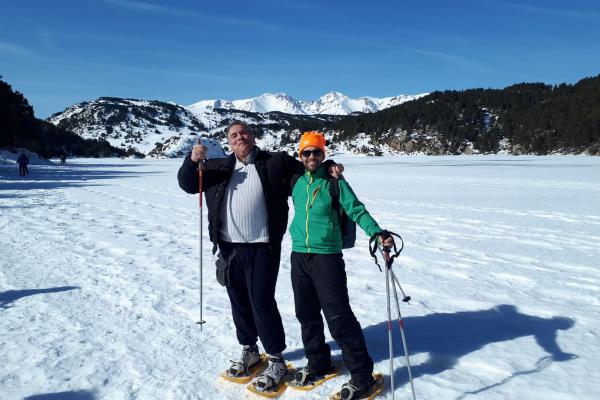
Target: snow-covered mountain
x=262 y=104
x=127 y=122
x=333 y=103
x=150 y=127
x=338 y=104
x=160 y=129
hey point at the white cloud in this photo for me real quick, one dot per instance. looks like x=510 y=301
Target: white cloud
x=156 y=8
x=550 y=11
x=449 y=58
x=6 y=47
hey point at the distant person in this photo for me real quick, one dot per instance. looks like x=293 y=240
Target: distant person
x=318 y=271
x=63 y=158
x=23 y=160
x=246 y=195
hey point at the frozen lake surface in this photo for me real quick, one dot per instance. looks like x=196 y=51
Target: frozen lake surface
x=99 y=281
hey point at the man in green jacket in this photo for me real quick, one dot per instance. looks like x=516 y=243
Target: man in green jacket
x=318 y=271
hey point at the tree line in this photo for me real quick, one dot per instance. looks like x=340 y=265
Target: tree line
x=20 y=128
x=539 y=118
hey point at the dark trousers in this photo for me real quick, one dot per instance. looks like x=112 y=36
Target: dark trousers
x=319 y=283
x=252 y=277
x=23 y=170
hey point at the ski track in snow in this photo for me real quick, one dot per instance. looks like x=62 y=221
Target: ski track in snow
x=99 y=281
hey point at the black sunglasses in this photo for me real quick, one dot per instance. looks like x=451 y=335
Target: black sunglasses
x=316 y=153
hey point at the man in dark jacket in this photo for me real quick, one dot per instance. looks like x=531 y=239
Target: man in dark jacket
x=246 y=195
x=23 y=161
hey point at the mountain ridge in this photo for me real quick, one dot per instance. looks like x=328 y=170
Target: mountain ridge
x=524 y=118
x=332 y=103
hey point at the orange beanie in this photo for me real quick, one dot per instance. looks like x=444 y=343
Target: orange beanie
x=312 y=138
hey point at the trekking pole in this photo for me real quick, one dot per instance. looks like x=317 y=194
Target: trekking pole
x=401 y=324
x=200 y=179
x=389 y=324
x=390 y=276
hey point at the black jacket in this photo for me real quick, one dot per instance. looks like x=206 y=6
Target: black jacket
x=274 y=169
x=22 y=160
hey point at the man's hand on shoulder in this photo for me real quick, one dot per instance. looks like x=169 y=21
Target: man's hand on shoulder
x=336 y=170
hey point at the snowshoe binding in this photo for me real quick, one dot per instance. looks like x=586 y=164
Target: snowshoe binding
x=271 y=382
x=306 y=379
x=247 y=367
x=355 y=390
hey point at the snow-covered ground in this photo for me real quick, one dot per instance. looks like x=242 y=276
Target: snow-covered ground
x=99 y=281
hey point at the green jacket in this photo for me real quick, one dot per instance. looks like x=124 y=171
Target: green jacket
x=316 y=225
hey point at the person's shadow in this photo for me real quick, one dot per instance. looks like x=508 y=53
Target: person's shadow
x=447 y=337
x=8 y=297
x=73 y=395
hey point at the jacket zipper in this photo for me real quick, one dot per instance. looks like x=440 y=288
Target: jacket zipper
x=308 y=206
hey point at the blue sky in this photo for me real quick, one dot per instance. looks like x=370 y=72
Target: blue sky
x=61 y=52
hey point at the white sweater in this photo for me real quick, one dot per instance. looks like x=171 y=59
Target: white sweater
x=243 y=212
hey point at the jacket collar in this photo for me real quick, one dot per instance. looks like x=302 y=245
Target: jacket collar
x=319 y=173
x=251 y=156
x=230 y=160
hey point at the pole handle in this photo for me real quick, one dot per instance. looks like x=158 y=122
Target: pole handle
x=374 y=246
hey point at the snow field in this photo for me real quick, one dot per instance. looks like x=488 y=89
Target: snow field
x=99 y=281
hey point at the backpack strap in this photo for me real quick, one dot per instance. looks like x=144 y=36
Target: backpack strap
x=334 y=192
x=347 y=226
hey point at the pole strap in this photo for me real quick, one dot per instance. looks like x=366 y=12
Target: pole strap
x=375 y=245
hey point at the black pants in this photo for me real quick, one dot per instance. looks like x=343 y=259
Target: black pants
x=319 y=282
x=252 y=278
x=23 y=170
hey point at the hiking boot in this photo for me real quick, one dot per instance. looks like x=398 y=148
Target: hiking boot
x=306 y=376
x=270 y=378
x=248 y=359
x=356 y=389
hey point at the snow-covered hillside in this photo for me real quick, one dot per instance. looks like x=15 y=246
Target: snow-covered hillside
x=99 y=281
x=161 y=129
x=125 y=123
x=333 y=103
